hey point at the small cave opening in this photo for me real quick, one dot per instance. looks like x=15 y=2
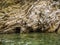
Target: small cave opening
x=17 y=29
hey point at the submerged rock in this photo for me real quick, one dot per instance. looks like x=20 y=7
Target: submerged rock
x=32 y=16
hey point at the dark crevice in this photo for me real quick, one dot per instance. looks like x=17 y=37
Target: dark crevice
x=30 y=29
x=55 y=0
x=57 y=28
x=17 y=29
x=38 y=30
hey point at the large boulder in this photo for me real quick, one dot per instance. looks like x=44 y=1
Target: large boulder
x=32 y=16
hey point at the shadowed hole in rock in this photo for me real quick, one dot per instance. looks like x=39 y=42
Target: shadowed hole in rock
x=17 y=29
x=55 y=0
x=38 y=30
x=30 y=29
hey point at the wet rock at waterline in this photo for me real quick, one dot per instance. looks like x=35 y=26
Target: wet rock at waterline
x=31 y=16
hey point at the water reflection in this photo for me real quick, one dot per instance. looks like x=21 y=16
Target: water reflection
x=30 y=39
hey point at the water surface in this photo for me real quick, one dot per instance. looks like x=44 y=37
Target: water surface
x=30 y=39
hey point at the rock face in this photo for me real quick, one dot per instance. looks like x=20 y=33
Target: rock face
x=30 y=16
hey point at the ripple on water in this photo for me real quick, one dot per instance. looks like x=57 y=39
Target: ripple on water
x=30 y=39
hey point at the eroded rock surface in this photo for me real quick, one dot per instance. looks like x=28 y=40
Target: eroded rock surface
x=31 y=16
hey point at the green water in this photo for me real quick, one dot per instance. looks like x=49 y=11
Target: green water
x=30 y=39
